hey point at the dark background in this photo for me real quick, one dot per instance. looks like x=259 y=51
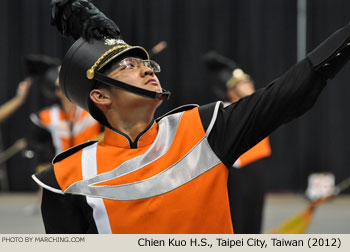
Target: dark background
x=259 y=35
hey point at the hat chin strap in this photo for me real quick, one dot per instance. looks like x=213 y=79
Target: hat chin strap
x=136 y=90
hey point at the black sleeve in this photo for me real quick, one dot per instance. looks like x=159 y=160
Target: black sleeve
x=40 y=141
x=243 y=124
x=66 y=214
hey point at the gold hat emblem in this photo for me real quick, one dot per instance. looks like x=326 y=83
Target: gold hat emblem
x=112 y=41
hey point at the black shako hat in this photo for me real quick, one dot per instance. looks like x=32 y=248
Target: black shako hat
x=47 y=68
x=84 y=59
x=98 y=44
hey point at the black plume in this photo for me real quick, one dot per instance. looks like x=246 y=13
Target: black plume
x=80 y=18
x=216 y=62
x=221 y=66
x=37 y=64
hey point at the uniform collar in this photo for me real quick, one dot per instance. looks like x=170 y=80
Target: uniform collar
x=119 y=139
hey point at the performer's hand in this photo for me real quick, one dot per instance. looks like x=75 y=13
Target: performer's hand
x=23 y=89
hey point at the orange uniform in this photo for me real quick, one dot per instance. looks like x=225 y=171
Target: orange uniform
x=67 y=130
x=168 y=179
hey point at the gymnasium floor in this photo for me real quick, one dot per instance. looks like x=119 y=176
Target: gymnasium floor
x=18 y=214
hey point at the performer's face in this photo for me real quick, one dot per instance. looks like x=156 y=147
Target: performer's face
x=240 y=90
x=137 y=73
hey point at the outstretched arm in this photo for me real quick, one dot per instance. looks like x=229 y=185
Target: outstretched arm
x=243 y=124
x=12 y=105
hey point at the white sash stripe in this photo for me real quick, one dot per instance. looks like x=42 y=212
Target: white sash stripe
x=163 y=141
x=89 y=169
x=197 y=161
x=55 y=118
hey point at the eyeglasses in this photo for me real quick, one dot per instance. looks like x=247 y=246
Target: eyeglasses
x=131 y=63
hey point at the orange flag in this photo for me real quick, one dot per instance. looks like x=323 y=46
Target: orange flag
x=299 y=223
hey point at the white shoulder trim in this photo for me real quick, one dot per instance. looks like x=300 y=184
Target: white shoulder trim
x=66 y=153
x=35 y=119
x=213 y=119
x=46 y=186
